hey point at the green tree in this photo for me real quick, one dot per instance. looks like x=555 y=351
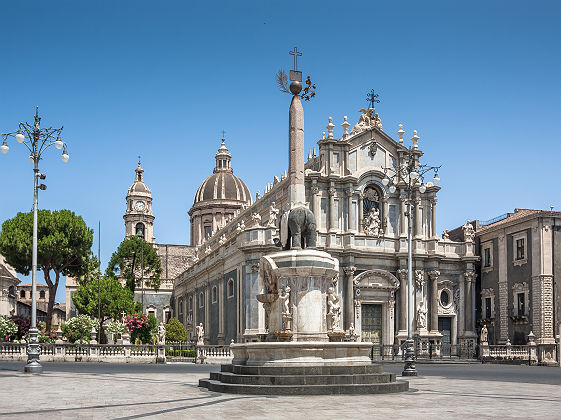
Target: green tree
x=112 y=297
x=175 y=331
x=63 y=247
x=135 y=259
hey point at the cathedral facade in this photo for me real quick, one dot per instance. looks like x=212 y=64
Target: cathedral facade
x=360 y=221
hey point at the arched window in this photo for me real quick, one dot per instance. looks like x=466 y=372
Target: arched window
x=372 y=216
x=139 y=230
x=42 y=294
x=231 y=288
x=12 y=292
x=201 y=300
x=208 y=231
x=22 y=294
x=190 y=303
x=214 y=294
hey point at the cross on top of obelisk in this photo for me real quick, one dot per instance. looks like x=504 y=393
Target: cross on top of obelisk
x=295 y=75
x=372 y=99
x=296 y=54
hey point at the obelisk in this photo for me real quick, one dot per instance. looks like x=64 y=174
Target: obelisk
x=296 y=192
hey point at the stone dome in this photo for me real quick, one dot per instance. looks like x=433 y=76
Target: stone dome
x=223 y=184
x=139 y=186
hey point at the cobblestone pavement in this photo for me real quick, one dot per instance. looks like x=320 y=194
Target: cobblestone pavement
x=131 y=392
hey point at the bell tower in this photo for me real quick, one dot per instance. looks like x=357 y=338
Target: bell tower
x=139 y=219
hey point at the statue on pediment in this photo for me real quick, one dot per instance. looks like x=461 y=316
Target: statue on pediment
x=367 y=120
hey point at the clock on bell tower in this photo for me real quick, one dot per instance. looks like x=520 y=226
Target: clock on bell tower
x=139 y=219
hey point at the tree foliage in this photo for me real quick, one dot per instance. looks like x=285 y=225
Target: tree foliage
x=175 y=331
x=63 y=247
x=112 y=297
x=135 y=259
x=79 y=328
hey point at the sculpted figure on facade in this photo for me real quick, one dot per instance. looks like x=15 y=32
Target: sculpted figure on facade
x=268 y=275
x=484 y=334
x=256 y=217
x=422 y=315
x=273 y=215
x=469 y=232
x=371 y=223
x=368 y=119
x=420 y=278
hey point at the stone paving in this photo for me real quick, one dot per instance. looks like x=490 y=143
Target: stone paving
x=175 y=394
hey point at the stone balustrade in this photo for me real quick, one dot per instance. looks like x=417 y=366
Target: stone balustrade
x=109 y=353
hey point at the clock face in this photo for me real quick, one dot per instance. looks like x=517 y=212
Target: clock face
x=140 y=205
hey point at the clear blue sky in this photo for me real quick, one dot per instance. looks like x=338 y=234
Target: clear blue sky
x=479 y=80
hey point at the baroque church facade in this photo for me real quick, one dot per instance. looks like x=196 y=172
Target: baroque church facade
x=360 y=221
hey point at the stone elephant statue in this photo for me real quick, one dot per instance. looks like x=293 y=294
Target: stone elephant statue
x=297 y=229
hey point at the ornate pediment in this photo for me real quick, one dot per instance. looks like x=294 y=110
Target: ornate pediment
x=376 y=279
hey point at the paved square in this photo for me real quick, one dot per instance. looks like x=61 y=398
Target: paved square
x=101 y=391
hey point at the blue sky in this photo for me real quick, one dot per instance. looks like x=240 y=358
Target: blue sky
x=479 y=80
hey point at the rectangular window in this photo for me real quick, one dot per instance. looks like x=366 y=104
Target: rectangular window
x=488 y=309
x=355 y=215
x=214 y=295
x=346 y=215
x=521 y=303
x=487 y=257
x=335 y=165
x=190 y=303
x=520 y=253
x=208 y=232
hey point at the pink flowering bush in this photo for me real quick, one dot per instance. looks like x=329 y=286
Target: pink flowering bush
x=140 y=327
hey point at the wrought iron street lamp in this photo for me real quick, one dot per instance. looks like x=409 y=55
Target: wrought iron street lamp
x=37 y=140
x=409 y=176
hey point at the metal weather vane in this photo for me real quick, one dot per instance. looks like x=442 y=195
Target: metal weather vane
x=295 y=87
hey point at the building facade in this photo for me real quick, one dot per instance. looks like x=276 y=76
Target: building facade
x=361 y=223
x=520 y=261
x=8 y=288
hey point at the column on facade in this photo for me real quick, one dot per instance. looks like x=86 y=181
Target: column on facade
x=468 y=306
x=349 y=302
x=418 y=218
x=360 y=211
x=433 y=275
x=403 y=219
x=461 y=309
x=386 y=213
x=350 y=215
x=316 y=206
x=221 y=310
x=402 y=274
x=207 y=311
x=332 y=225
x=433 y=233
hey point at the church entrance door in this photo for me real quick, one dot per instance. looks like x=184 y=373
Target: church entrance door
x=445 y=328
x=372 y=323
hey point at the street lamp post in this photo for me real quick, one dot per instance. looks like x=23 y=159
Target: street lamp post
x=409 y=176
x=37 y=140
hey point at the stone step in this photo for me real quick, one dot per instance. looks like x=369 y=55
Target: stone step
x=303 y=370
x=370 y=378
x=383 y=388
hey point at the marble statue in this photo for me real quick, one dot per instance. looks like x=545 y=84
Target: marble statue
x=367 y=120
x=422 y=316
x=484 y=334
x=256 y=217
x=469 y=232
x=371 y=222
x=161 y=333
x=334 y=313
x=273 y=215
x=445 y=235
x=200 y=334
x=284 y=297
